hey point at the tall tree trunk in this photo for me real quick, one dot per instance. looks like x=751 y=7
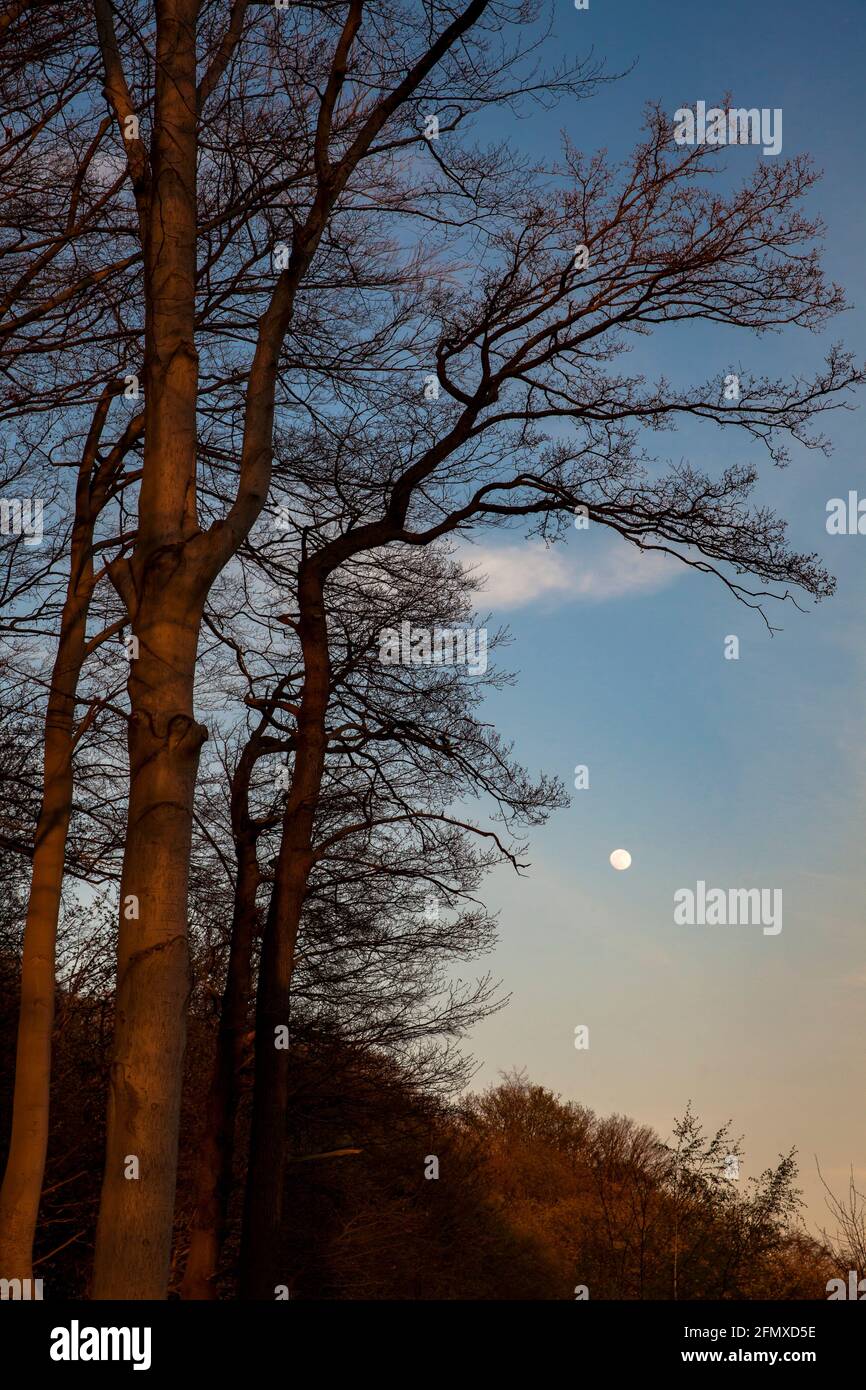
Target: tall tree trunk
x=263 y=1204
x=25 y=1166
x=133 y=1239
x=164 y=585
x=216 y=1158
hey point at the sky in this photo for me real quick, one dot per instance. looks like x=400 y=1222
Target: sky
x=746 y=773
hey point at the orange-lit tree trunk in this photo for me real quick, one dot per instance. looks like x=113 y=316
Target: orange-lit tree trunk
x=22 y=1182
x=163 y=584
x=137 y=1203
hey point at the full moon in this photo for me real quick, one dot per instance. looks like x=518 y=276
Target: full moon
x=620 y=859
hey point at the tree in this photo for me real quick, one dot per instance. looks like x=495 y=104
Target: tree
x=165 y=579
x=162 y=572
x=61 y=343
x=391 y=865
x=626 y=1215
x=517 y=354
x=847 y=1243
x=335 y=326
x=22 y=1183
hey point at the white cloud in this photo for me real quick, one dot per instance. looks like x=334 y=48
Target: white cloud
x=530 y=572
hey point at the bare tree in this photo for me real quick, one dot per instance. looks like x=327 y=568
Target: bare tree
x=22 y=1183
x=387 y=854
x=184 y=259
x=848 y=1242
x=522 y=347
x=251 y=279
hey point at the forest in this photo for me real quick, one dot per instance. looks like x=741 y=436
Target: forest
x=286 y=316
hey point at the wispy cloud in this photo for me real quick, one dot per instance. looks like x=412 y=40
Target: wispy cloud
x=515 y=576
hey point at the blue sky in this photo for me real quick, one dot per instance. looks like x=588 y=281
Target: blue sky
x=742 y=773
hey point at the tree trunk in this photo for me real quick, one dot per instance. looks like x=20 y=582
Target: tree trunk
x=25 y=1166
x=214 y=1177
x=133 y=1239
x=164 y=585
x=260 y=1272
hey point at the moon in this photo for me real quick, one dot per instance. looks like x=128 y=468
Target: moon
x=620 y=859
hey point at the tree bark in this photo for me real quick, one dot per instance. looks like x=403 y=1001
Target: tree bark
x=133 y=1239
x=263 y=1203
x=214 y=1176
x=164 y=585
x=25 y=1166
